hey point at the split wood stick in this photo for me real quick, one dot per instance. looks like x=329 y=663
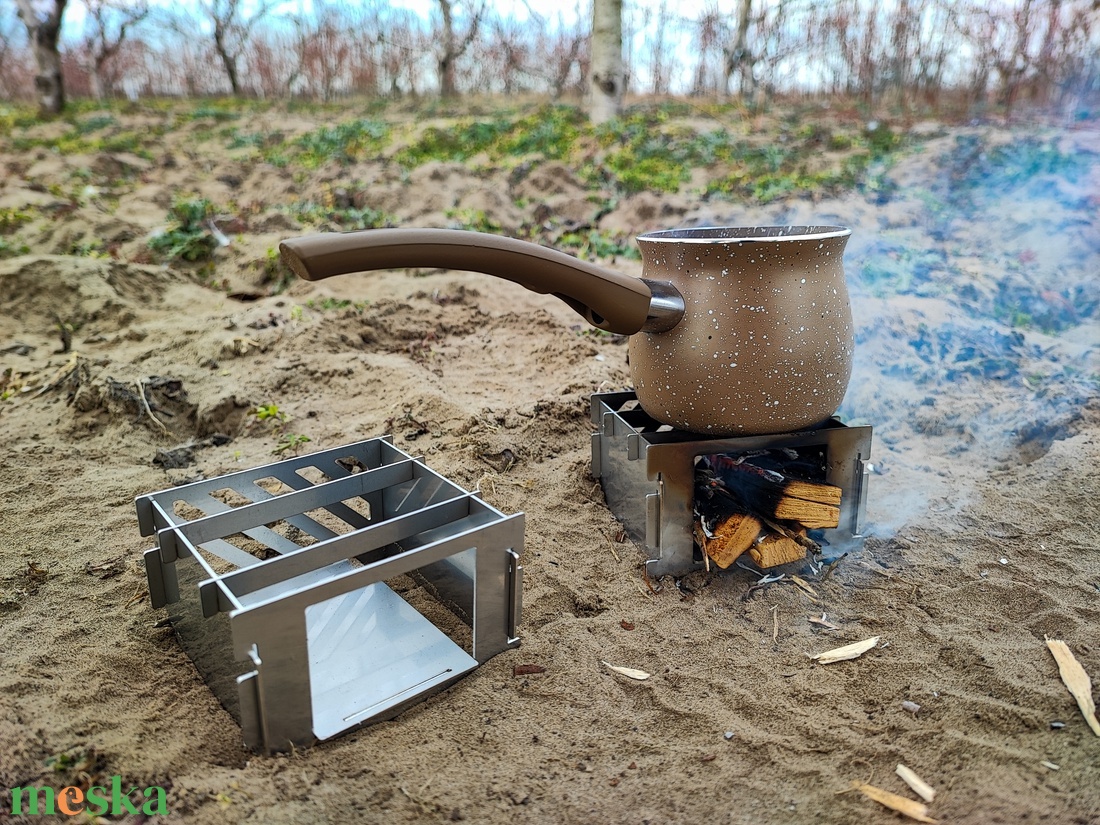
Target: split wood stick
x=909 y=807
x=919 y=786
x=1076 y=680
x=807 y=513
x=732 y=537
x=772 y=551
x=812 y=491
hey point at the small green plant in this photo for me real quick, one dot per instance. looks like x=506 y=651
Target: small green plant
x=11 y=219
x=882 y=140
x=94 y=123
x=348 y=218
x=188 y=237
x=275 y=271
x=10 y=250
x=87 y=249
x=6 y=389
x=265 y=142
x=290 y=443
x=329 y=304
x=472 y=219
x=272 y=414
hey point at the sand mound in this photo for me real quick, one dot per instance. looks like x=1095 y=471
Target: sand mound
x=43 y=288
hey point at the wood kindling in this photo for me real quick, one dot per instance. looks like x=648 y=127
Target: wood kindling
x=764 y=512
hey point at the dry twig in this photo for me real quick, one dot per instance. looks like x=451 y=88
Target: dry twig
x=148 y=411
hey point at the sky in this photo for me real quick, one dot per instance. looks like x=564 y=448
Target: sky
x=517 y=9
x=567 y=12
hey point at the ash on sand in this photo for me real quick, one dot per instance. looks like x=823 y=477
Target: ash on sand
x=977 y=364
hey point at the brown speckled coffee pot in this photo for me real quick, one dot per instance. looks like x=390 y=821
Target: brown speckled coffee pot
x=734 y=330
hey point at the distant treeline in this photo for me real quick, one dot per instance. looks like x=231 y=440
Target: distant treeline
x=977 y=52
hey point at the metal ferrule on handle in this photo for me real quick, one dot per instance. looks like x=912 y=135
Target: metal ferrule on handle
x=606 y=299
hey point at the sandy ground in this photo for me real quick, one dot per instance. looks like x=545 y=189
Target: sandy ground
x=984 y=521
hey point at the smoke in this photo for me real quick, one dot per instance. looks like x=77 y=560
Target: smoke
x=977 y=309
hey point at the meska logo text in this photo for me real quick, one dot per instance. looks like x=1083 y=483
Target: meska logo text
x=96 y=801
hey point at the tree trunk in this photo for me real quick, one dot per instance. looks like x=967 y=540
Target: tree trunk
x=44 y=30
x=228 y=60
x=95 y=78
x=447 y=86
x=606 y=75
x=738 y=59
x=564 y=67
x=446 y=62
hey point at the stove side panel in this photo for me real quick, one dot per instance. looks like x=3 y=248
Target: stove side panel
x=619 y=464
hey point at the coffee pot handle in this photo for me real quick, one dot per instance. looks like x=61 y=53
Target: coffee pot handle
x=606 y=299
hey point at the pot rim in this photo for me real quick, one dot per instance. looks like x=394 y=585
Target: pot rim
x=742 y=234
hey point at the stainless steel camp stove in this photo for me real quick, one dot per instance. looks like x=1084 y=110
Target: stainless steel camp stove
x=275 y=582
x=647 y=471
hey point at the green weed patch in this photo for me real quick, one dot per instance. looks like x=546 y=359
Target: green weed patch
x=319 y=215
x=594 y=243
x=188 y=237
x=550 y=132
x=645 y=154
x=344 y=143
x=85 y=139
x=12 y=219
x=9 y=249
x=16 y=117
x=812 y=161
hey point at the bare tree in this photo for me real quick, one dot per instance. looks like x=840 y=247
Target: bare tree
x=566 y=50
x=400 y=46
x=508 y=52
x=453 y=45
x=558 y=55
x=738 y=58
x=233 y=27
x=106 y=26
x=607 y=78
x=274 y=63
x=660 y=60
x=708 y=37
x=324 y=48
x=43 y=21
